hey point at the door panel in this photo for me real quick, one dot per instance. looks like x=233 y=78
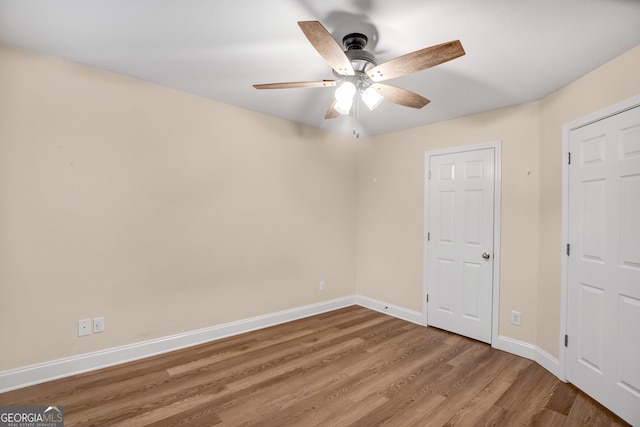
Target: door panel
x=591 y=327
x=461 y=220
x=592 y=211
x=603 y=314
x=444 y=283
x=629 y=215
x=629 y=309
x=471 y=289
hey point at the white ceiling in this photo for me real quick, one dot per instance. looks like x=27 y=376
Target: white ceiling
x=516 y=50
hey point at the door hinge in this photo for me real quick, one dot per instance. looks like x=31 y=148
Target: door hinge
x=428 y=236
x=569 y=157
x=566 y=340
x=427 y=297
x=568 y=249
x=429 y=173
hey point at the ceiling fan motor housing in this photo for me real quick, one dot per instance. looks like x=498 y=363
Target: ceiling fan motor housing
x=361 y=60
x=355 y=41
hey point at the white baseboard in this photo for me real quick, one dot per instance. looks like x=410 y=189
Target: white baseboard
x=548 y=362
x=390 y=309
x=529 y=351
x=519 y=348
x=35 y=374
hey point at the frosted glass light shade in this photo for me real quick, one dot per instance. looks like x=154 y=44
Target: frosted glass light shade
x=344 y=106
x=344 y=97
x=372 y=98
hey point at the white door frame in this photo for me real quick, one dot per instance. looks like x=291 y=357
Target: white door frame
x=497 y=152
x=612 y=110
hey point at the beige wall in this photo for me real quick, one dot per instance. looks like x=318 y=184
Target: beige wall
x=161 y=211
x=605 y=86
x=391 y=211
x=165 y=212
x=391 y=195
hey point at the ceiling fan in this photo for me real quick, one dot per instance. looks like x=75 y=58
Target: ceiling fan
x=357 y=71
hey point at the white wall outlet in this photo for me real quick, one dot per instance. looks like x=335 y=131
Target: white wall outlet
x=84 y=327
x=515 y=318
x=98 y=325
x=322 y=285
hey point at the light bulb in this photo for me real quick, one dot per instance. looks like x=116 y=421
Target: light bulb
x=343 y=106
x=344 y=97
x=372 y=98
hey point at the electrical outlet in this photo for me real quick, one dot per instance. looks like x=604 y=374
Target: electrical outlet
x=98 y=325
x=322 y=285
x=84 y=327
x=515 y=318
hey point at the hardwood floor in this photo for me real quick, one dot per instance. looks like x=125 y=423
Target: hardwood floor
x=352 y=366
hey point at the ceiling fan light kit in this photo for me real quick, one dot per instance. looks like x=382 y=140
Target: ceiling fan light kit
x=372 y=98
x=357 y=71
x=344 y=97
x=361 y=62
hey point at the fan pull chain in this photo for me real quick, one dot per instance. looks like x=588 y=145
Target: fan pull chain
x=355 y=117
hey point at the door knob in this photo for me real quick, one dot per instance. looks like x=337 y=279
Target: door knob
x=486 y=255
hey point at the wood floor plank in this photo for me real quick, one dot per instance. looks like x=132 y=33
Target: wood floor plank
x=587 y=412
x=535 y=400
x=463 y=386
x=321 y=374
x=415 y=383
x=549 y=418
x=563 y=398
x=349 y=367
x=201 y=362
x=482 y=401
x=192 y=411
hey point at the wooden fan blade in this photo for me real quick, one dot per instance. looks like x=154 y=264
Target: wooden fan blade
x=293 y=85
x=416 y=61
x=331 y=112
x=327 y=47
x=401 y=96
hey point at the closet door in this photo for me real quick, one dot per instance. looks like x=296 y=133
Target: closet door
x=603 y=314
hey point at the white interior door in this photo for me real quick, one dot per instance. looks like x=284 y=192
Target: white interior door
x=460 y=248
x=603 y=283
